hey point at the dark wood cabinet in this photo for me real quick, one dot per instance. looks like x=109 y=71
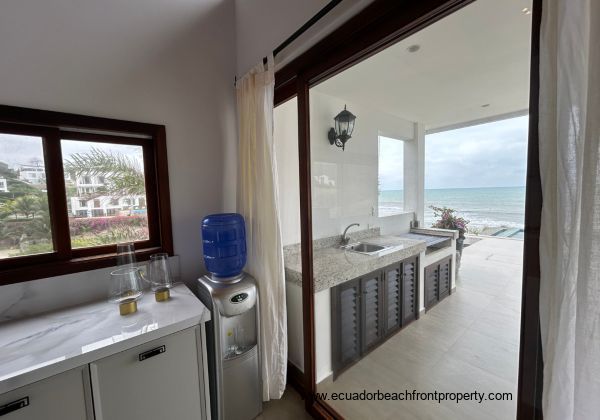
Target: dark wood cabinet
x=366 y=310
x=431 y=285
x=410 y=290
x=444 y=277
x=346 y=324
x=437 y=281
x=371 y=287
x=392 y=282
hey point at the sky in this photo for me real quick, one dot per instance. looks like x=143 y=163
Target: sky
x=17 y=150
x=486 y=155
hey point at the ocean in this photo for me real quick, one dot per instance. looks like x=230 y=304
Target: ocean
x=483 y=207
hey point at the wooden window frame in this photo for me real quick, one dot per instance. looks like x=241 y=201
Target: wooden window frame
x=56 y=126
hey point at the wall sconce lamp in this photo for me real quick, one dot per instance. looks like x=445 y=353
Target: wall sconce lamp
x=344 y=126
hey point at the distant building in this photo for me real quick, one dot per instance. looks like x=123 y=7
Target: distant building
x=91 y=202
x=3 y=185
x=32 y=174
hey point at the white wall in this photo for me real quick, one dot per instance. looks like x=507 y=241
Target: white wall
x=264 y=24
x=156 y=61
x=344 y=183
x=324 y=366
x=31 y=298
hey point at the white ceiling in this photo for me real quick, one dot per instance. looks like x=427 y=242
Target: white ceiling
x=478 y=55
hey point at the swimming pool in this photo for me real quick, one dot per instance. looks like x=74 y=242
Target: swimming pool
x=514 y=233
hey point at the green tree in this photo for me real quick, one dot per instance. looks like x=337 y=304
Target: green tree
x=122 y=176
x=26 y=205
x=40 y=227
x=8 y=209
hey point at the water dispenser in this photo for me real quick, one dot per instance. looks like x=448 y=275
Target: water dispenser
x=232 y=334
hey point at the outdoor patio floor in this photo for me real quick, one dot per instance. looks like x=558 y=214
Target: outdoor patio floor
x=468 y=342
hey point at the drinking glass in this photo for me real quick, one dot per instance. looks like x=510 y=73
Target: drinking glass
x=159 y=274
x=125 y=289
x=126 y=254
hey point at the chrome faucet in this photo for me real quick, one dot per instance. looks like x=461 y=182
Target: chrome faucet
x=345 y=239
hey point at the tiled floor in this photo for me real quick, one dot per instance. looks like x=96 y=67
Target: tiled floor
x=468 y=342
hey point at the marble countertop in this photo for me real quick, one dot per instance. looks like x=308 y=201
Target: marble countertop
x=333 y=265
x=41 y=346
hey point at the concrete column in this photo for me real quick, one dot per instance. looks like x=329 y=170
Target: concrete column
x=420 y=145
x=414 y=173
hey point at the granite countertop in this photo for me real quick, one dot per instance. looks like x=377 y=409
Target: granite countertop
x=42 y=346
x=436 y=232
x=333 y=265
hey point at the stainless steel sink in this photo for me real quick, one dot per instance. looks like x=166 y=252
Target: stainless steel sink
x=364 y=248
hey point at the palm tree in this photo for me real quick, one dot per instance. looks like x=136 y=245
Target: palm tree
x=26 y=205
x=123 y=176
x=41 y=226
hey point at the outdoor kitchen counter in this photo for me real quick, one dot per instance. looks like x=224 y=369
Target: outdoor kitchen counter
x=333 y=265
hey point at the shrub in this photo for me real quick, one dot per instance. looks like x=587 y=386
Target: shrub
x=98 y=225
x=448 y=220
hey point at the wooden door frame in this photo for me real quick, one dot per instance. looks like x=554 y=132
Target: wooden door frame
x=378 y=26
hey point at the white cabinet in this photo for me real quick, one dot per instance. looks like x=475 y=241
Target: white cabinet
x=158 y=380
x=61 y=397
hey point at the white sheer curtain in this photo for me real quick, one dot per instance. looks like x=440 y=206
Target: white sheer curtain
x=257 y=201
x=570 y=235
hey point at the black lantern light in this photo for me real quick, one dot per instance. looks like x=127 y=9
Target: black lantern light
x=344 y=126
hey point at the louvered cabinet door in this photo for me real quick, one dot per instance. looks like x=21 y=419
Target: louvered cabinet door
x=372 y=310
x=444 y=278
x=431 y=285
x=410 y=303
x=346 y=324
x=392 y=281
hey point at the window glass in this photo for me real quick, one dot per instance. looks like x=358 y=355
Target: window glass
x=112 y=177
x=391 y=176
x=25 y=227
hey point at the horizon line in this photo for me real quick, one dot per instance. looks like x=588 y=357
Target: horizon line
x=466 y=188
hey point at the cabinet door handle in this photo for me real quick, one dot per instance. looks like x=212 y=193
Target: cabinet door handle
x=151 y=353
x=14 y=406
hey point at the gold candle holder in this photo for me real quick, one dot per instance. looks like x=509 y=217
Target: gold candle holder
x=128 y=306
x=162 y=294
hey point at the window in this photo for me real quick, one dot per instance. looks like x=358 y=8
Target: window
x=119 y=170
x=52 y=165
x=390 y=177
x=25 y=227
